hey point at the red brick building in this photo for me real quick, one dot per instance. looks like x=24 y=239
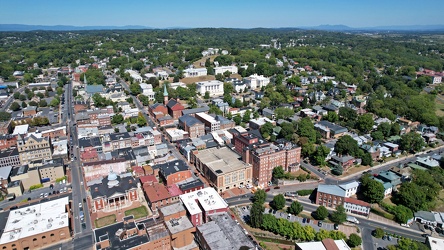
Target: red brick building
x=265 y=157
x=242 y=140
x=157 y=196
x=174 y=108
x=55 y=132
x=114 y=193
x=8 y=141
x=192 y=125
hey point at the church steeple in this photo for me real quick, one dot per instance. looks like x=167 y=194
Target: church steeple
x=84 y=79
x=165 y=94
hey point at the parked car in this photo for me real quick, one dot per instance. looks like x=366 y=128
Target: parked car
x=277 y=187
x=288 y=216
x=308 y=220
x=45 y=195
x=336 y=226
x=266 y=190
x=80 y=204
x=304 y=220
x=41 y=195
x=319 y=223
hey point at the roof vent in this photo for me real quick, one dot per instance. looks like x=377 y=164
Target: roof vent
x=49 y=226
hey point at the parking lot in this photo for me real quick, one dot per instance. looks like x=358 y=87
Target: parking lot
x=244 y=214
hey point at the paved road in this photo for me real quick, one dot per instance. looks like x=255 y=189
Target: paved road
x=364 y=223
x=82 y=236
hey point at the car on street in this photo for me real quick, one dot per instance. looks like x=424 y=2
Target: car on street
x=274 y=211
x=288 y=216
x=41 y=195
x=83 y=225
x=277 y=187
x=336 y=226
x=319 y=223
x=308 y=220
x=266 y=190
x=304 y=220
x=45 y=195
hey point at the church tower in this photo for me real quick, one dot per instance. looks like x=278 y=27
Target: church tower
x=165 y=94
x=84 y=79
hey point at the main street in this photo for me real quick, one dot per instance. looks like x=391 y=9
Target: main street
x=82 y=235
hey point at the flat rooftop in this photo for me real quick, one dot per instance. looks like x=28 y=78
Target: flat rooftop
x=179 y=224
x=221 y=160
x=222 y=232
x=208 y=199
x=36 y=219
x=207 y=117
x=172 y=209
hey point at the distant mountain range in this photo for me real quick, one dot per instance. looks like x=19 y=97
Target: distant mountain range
x=342 y=28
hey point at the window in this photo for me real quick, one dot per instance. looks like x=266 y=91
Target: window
x=241 y=176
x=227 y=179
x=34 y=239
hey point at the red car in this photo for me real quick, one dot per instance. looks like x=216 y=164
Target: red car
x=266 y=190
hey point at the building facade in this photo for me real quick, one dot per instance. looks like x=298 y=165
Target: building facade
x=34 y=148
x=214 y=87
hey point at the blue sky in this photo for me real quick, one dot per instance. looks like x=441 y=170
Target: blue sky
x=228 y=13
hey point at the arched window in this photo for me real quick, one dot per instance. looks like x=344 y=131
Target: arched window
x=35 y=239
x=43 y=237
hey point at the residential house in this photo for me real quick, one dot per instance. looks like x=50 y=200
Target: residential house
x=330 y=130
x=345 y=161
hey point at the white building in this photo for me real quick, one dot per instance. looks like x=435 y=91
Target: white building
x=215 y=87
x=134 y=74
x=209 y=121
x=350 y=188
x=192 y=72
x=147 y=90
x=223 y=69
x=162 y=74
x=355 y=206
x=175 y=85
x=325 y=244
x=255 y=81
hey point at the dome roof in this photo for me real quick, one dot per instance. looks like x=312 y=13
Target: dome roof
x=112 y=176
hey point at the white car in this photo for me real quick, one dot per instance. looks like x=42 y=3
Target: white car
x=46 y=195
x=80 y=204
x=41 y=195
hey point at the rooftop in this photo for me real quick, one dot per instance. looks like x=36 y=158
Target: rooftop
x=326 y=244
x=208 y=199
x=172 y=209
x=222 y=232
x=36 y=219
x=179 y=224
x=331 y=189
x=435 y=243
x=221 y=160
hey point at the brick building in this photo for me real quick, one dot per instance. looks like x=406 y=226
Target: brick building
x=265 y=157
x=192 y=125
x=178 y=224
x=174 y=171
x=335 y=195
x=174 y=108
x=114 y=192
x=157 y=195
x=34 y=147
x=202 y=203
x=7 y=141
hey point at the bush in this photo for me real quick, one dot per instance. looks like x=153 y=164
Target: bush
x=378 y=233
x=321 y=213
x=33 y=187
x=305 y=192
x=354 y=240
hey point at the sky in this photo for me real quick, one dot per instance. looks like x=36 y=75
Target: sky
x=227 y=13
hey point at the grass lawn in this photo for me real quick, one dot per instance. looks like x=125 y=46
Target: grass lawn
x=138 y=212
x=356 y=169
x=105 y=221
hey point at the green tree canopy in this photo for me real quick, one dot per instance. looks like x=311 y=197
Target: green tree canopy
x=347 y=145
x=372 y=190
x=354 y=240
x=278 y=202
x=259 y=196
x=14 y=106
x=412 y=142
x=256 y=215
x=321 y=213
x=295 y=208
x=339 y=216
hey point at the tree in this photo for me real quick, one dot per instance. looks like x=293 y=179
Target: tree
x=347 y=145
x=43 y=103
x=372 y=190
x=24 y=105
x=144 y=99
x=339 y=216
x=377 y=135
x=135 y=88
x=365 y=123
x=237 y=119
x=256 y=215
x=54 y=102
x=278 y=202
x=14 y=106
x=321 y=213
x=412 y=142
x=23 y=97
x=283 y=113
x=402 y=214
x=141 y=121
x=385 y=129
x=259 y=196
x=347 y=114
x=247 y=116
x=32 y=103
x=331 y=116
x=4 y=116
x=278 y=173
x=267 y=128
x=354 y=240
x=378 y=233
x=367 y=159
x=321 y=153
x=16 y=95
x=412 y=196
x=207 y=95
x=295 y=208
x=287 y=131
x=117 y=119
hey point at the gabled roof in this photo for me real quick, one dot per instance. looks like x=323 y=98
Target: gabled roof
x=174 y=105
x=189 y=120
